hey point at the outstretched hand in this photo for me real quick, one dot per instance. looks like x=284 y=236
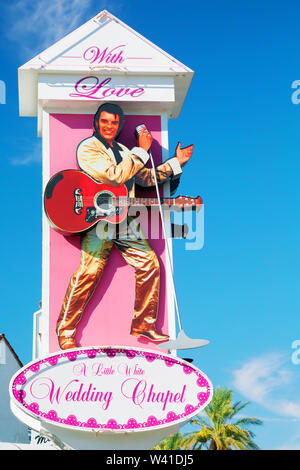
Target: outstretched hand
x=183 y=154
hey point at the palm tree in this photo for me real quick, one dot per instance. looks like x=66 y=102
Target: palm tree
x=174 y=442
x=220 y=433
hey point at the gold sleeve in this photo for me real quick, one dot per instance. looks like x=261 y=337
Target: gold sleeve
x=93 y=158
x=145 y=176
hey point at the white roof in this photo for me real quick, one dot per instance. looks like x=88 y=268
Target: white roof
x=104 y=44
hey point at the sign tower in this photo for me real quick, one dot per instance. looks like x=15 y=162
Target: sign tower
x=124 y=386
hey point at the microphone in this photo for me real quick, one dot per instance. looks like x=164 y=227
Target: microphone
x=138 y=130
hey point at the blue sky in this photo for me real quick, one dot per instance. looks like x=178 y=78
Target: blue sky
x=241 y=290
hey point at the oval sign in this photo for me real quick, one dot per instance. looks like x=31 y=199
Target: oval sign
x=111 y=389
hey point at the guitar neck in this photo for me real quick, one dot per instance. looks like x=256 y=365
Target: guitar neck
x=143 y=201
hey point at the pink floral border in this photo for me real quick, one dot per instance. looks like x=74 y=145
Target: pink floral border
x=20 y=395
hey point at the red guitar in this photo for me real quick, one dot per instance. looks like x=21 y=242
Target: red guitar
x=74 y=202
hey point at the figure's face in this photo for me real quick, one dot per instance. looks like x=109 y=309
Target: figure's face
x=108 y=126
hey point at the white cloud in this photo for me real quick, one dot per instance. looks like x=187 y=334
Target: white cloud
x=259 y=376
x=37 y=25
x=30 y=153
x=290 y=408
x=267 y=380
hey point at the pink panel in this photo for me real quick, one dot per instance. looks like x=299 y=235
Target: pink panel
x=107 y=317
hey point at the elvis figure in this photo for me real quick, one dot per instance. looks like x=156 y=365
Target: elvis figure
x=110 y=162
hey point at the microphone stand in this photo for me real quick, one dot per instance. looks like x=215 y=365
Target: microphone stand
x=182 y=341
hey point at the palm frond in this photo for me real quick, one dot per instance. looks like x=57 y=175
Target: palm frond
x=220 y=433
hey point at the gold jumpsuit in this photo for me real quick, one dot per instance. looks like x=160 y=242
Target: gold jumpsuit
x=99 y=162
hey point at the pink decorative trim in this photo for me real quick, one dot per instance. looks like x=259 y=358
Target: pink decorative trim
x=72 y=356
x=152 y=421
x=150 y=357
x=35 y=367
x=189 y=409
x=187 y=370
x=130 y=354
x=91 y=353
x=171 y=416
x=202 y=397
x=34 y=407
x=110 y=352
x=91 y=423
x=52 y=415
x=53 y=360
x=19 y=395
x=132 y=424
x=169 y=362
x=202 y=382
x=72 y=421
x=21 y=379
x=112 y=424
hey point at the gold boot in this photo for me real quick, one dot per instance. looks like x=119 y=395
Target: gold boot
x=66 y=342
